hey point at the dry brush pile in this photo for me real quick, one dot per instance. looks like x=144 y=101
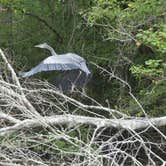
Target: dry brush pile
x=41 y=126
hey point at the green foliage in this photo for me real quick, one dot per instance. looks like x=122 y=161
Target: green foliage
x=155 y=37
x=153 y=100
x=151 y=69
x=107 y=32
x=120 y=18
x=110 y=33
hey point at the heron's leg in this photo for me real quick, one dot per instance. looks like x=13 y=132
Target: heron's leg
x=83 y=91
x=72 y=87
x=75 y=82
x=77 y=77
x=60 y=89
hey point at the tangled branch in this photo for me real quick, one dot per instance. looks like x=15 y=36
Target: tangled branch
x=34 y=114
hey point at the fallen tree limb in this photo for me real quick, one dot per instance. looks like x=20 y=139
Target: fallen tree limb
x=31 y=106
x=22 y=98
x=133 y=124
x=8 y=117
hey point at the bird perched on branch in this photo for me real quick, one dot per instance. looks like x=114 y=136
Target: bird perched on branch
x=75 y=71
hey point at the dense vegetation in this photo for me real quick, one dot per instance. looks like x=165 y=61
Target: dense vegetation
x=122 y=35
x=126 y=37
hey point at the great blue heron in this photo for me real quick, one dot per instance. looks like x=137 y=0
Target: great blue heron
x=76 y=72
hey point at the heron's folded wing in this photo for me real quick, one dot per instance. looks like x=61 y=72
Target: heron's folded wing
x=48 y=67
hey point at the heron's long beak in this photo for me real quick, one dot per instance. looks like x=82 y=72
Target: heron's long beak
x=38 y=46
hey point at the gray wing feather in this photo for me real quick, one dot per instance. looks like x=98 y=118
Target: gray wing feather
x=84 y=68
x=49 y=67
x=62 y=62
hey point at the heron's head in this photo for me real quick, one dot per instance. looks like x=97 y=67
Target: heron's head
x=43 y=45
x=46 y=46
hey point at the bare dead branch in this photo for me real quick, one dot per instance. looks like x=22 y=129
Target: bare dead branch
x=59 y=38
x=133 y=124
x=9 y=118
x=15 y=79
x=73 y=124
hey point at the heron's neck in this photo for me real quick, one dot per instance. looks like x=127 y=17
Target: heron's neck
x=51 y=50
